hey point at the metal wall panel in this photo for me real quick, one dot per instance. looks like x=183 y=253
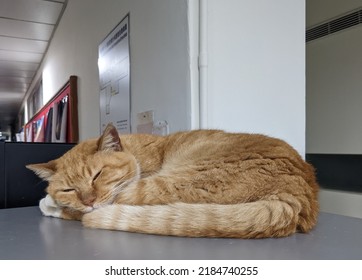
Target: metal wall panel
x=22 y=186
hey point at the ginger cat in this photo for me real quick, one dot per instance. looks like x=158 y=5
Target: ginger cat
x=203 y=183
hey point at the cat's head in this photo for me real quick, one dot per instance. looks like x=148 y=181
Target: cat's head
x=91 y=174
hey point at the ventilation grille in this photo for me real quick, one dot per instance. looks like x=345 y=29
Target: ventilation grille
x=334 y=25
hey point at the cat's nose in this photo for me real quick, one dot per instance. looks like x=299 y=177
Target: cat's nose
x=89 y=201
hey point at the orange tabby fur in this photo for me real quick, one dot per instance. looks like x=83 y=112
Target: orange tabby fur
x=198 y=183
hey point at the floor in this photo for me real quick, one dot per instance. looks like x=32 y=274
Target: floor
x=26 y=234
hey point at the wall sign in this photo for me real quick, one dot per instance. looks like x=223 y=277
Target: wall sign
x=114 y=78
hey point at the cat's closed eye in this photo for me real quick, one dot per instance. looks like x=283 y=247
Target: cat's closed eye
x=97 y=175
x=68 y=190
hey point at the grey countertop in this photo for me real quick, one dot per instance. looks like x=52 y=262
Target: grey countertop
x=26 y=234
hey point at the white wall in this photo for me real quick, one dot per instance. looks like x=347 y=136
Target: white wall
x=255 y=64
x=160 y=77
x=256 y=68
x=340 y=202
x=334 y=96
x=334 y=67
x=333 y=72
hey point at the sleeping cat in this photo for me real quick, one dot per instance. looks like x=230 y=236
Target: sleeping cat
x=202 y=183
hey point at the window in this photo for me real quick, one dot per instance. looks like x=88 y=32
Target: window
x=35 y=100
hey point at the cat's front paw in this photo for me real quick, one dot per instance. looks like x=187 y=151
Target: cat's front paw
x=49 y=208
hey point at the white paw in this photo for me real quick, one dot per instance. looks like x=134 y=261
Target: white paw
x=49 y=208
x=49 y=201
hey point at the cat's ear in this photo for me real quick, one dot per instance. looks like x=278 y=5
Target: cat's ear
x=110 y=141
x=43 y=170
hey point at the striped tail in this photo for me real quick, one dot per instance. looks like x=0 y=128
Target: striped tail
x=260 y=219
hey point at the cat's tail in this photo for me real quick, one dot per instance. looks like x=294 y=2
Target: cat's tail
x=259 y=219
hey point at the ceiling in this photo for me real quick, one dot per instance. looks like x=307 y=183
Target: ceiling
x=26 y=28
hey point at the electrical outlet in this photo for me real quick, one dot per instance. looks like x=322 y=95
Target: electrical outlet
x=160 y=128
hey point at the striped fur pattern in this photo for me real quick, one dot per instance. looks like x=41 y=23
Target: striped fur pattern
x=202 y=183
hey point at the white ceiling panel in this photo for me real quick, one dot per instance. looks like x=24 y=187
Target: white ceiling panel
x=31 y=10
x=16 y=65
x=11 y=96
x=14 y=88
x=23 y=29
x=11 y=80
x=16 y=73
x=13 y=91
x=20 y=56
x=26 y=28
x=22 y=45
